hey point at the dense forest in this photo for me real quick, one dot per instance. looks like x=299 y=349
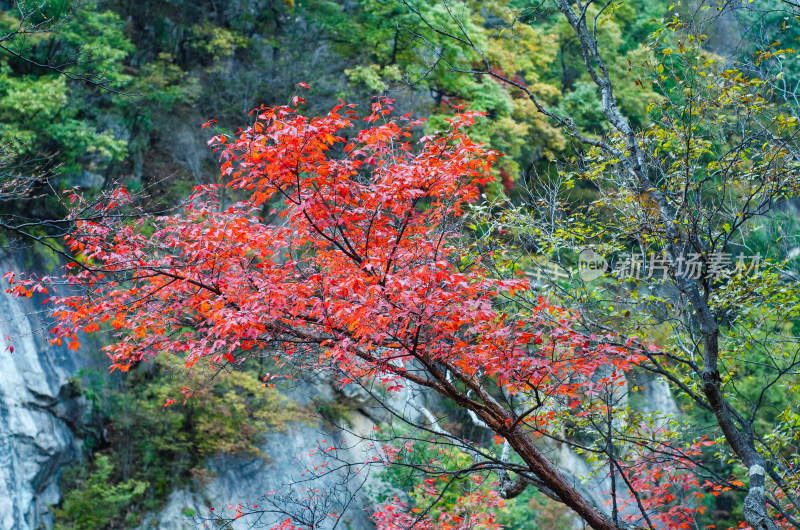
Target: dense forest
x=538 y=268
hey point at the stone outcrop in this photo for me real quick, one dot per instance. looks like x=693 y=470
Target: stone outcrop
x=246 y=480
x=39 y=415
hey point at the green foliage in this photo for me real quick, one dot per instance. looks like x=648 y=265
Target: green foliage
x=96 y=499
x=42 y=113
x=528 y=511
x=373 y=77
x=718 y=143
x=163 y=83
x=99 y=33
x=533 y=511
x=159 y=448
x=422 y=465
x=188 y=62
x=335 y=412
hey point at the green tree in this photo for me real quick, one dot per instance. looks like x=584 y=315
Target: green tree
x=716 y=155
x=97 y=500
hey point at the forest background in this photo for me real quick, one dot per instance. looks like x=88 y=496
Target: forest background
x=150 y=73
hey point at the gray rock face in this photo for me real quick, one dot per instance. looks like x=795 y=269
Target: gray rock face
x=659 y=399
x=246 y=481
x=36 y=409
x=87 y=180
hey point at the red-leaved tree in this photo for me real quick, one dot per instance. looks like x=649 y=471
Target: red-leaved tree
x=364 y=274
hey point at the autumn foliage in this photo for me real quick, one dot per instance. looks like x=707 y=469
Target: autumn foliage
x=361 y=270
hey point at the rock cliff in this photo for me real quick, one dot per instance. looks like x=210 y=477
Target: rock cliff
x=39 y=414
